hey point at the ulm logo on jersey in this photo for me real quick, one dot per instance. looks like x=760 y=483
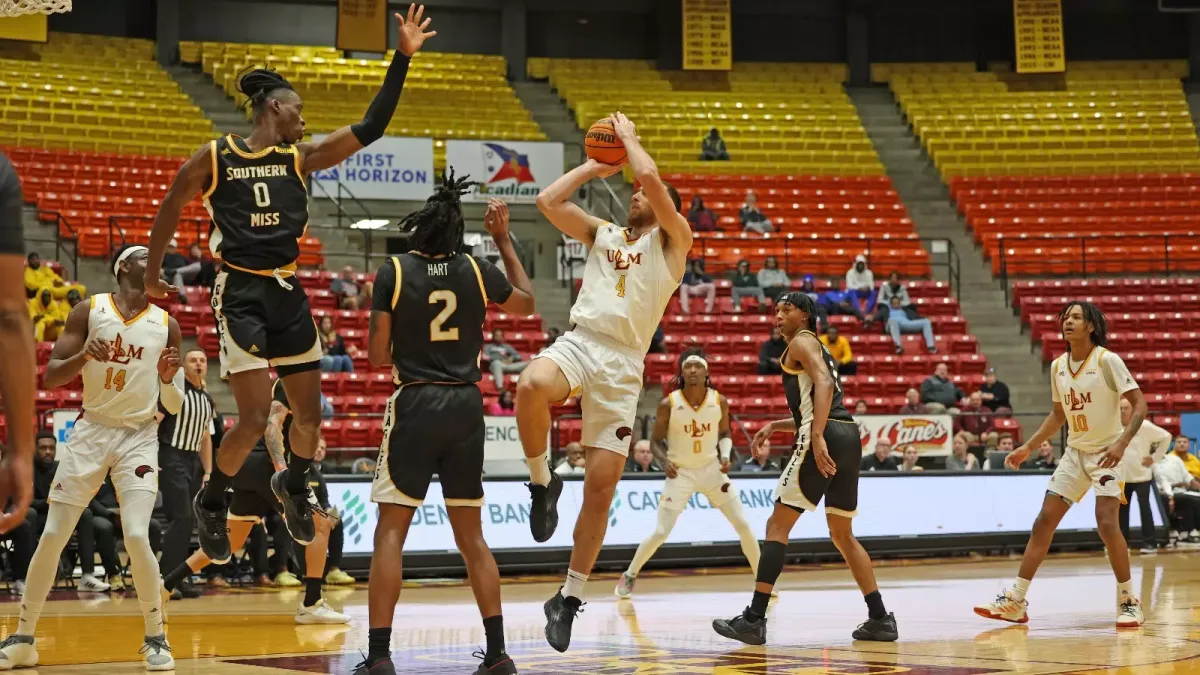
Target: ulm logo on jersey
x=1077 y=401
x=623 y=261
x=124 y=353
x=697 y=430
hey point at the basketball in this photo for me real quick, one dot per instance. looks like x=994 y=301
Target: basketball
x=602 y=144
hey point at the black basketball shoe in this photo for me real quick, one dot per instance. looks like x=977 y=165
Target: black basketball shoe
x=742 y=629
x=501 y=664
x=212 y=530
x=878 y=630
x=560 y=616
x=543 y=517
x=297 y=509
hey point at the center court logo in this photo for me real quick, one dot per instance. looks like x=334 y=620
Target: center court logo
x=354 y=518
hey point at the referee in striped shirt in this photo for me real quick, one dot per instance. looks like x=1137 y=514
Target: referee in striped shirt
x=184 y=458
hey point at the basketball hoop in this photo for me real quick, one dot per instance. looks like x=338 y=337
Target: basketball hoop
x=22 y=7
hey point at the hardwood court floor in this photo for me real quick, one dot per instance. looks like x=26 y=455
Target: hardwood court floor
x=665 y=629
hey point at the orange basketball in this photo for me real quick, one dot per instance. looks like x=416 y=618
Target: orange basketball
x=602 y=144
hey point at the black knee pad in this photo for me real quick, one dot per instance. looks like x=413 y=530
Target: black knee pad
x=770 y=564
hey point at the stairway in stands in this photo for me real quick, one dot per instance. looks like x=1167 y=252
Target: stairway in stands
x=928 y=204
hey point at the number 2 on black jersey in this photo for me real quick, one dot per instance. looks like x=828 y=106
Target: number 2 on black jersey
x=436 y=332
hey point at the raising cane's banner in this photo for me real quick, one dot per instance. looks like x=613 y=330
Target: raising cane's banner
x=931 y=434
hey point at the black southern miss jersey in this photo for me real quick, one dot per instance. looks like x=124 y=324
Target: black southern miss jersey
x=798 y=387
x=259 y=205
x=438 y=305
x=279 y=395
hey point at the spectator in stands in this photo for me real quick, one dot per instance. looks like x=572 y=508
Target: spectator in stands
x=973 y=417
x=960 y=458
x=327 y=411
x=909 y=458
x=574 y=461
x=881 y=459
x=772 y=280
x=502 y=358
x=995 y=394
x=1189 y=460
x=860 y=407
x=48 y=315
x=179 y=269
x=1181 y=490
x=712 y=148
x=504 y=406
x=552 y=334
x=752 y=217
x=892 y=289
x=336 y=357
x=759 y=460
x=21 y=539
x=906 y=320
x=939 y=393
x=809 y=288
x=345 y=289
x=746 y=284
x=641 y=459
x=656 y=341
x=770 y=352
x=912 y=403
x=696 y=282
x=837 y=301
x=839 y=349
x=701 y=217
x=1004 y=446
x=38 y=275
x=44 y=468
x=1044 y=459
x=73 y=298
x=860 y=285
x=207 y=273
x=362 y=465
x=106 y=515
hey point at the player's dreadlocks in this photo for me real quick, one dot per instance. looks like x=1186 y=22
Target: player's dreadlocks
x=258 y=84
x=804 y=303
x=690 y=351
x=437 y=228
x=1092 y=315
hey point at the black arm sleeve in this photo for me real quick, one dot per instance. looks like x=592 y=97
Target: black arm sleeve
x=12 y=234
x=379 y=114
x=385 y=285
x=499 y=290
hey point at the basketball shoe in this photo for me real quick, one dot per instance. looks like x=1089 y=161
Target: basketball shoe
x=1129 y=613
x=297 y=509
x=18 y=651
x=502 y=664
x=878 y=630
x=1005 y=608
x=319 y=613
x=156 y=654
x=543 y=516
x=560 y=617
x=742 y=628
x=625 y=586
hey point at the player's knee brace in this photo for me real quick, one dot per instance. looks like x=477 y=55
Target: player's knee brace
x=770 y=565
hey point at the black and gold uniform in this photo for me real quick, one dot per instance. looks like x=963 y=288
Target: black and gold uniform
x=258 y=202
x=434 y=421
x=802 y=486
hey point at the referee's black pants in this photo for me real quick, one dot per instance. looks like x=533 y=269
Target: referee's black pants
x=1143 y=491
x=180 y=474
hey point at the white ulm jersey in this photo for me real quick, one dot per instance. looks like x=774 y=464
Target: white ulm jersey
x=124 y=390
x=626 y=287
x=1090 y=394
x=693 y=433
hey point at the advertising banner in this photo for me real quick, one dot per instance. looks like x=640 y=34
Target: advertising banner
x=932 y=434
x=391 y=168
x=501 y=441
x=889 y=506
x=64 y=422
x=510 y=170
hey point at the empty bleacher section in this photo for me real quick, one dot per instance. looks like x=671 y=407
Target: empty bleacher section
x=446 y=95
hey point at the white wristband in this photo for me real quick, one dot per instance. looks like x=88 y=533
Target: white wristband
x=724 y=447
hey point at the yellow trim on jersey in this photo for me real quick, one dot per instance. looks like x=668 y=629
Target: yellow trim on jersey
x=130 y=321
x=783 y=358
x=300 y=173
x=212 y=185
x=399 y=276
x=1075 y=373
x=166 y=319
x=92 y=302
x=695 y=408
x=248 y=155
x=479 y=277
x=288 y=270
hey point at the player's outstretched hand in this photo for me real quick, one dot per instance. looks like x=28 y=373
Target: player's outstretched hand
x=98 y=349
x=1017 y=457
x=1112 y=456
x=16 y=488
x=157 y=288
x=412 y=30
x=168 y=364
x=670 y=469
x=495 y=221
x=623 y=127
x=821 y=453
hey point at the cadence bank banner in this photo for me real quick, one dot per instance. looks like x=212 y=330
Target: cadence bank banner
x=510 y=170
x=391 y=168
x=932 y=434
x=889 y=506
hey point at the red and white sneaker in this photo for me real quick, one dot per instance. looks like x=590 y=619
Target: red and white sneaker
x=1005 y=608
x=1129 y=613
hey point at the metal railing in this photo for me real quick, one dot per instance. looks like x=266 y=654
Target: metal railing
x=1158 y=254
x=61 y=241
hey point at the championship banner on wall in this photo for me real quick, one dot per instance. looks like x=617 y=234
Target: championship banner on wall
x=1039 y=36
x=514 y=171
x=707 y=35
x=391 y=168
x=362 y=25
x=932 y=434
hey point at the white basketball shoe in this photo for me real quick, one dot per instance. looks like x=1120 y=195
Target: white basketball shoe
x=1005 y=608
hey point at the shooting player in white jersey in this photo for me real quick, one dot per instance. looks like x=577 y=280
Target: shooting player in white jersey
x=127 y=364
x=630 y=275
x=692 y=442
x=1087 y=383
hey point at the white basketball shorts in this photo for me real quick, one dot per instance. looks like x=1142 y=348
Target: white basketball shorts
x=1078 y=471
x=707 y=480
x=94 y=450
x=607 y=377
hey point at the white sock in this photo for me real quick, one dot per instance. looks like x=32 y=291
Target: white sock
x=539 y=469
x=573 y=588
x=137 y=508
x=1019 y=588
x=60 y=523
x=1124 y=590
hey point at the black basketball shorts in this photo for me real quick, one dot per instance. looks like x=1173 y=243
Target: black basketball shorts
x=431 y=429
x=253 y=499
x=263 y=324
x=802 y=486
